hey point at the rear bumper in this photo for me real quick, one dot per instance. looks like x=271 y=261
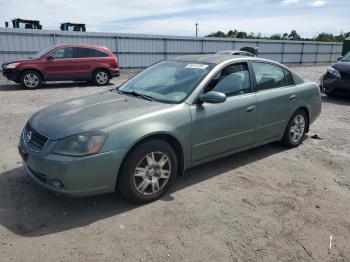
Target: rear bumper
x=11 y=74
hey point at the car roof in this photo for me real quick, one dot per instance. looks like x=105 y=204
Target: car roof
x=217 y=58
x=221 y=58
x=208 y=58
x=81 y=45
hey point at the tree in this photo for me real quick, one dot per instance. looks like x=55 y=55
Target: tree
x=325 y=37
x=276 y=37
x=232 y=34
x=242 y=35
x=294 y=35
x=217 y=34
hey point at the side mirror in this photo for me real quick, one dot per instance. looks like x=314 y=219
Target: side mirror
x=49 y=58
x=212 y=97
x=340 y=58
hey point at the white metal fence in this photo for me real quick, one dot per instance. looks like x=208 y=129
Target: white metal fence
x=137 y=51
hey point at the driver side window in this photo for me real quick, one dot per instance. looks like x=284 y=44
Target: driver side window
x=232 y=80
x=63 y=53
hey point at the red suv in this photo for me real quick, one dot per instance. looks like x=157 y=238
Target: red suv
x=64 y=62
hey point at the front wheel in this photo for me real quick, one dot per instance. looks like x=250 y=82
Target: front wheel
x=101 y=77
x=296 y=129
x=31 y=79
x=148 y=171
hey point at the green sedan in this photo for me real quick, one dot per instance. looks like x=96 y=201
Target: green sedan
x=172 y=116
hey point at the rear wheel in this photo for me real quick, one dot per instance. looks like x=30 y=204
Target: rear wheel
x=101 y=77
x=296 y=129
x=148 y=171
x=31 y=79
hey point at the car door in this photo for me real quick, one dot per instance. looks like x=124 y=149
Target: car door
x=219 y=128
x=59 y=65
x=275 y=100
x=83 y=62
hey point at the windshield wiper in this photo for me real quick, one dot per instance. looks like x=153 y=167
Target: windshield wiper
x=134 y=93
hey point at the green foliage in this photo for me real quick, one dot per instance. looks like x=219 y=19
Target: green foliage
x=293 y=35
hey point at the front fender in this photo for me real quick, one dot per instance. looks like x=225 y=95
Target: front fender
x=174 y=121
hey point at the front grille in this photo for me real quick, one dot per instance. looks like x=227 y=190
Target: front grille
x=36 y=141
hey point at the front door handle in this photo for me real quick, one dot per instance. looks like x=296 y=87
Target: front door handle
x=250 y=108
x=292 y=97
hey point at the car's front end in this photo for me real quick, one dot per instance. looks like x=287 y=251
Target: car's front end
x=76 y=147
x=337 y=78
x=9 y=70
x=68 y=166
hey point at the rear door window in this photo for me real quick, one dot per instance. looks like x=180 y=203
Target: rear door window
x=81 y=52
x=289 y=77
x=268 y=76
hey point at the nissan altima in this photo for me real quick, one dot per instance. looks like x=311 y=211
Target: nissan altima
x=172 y=116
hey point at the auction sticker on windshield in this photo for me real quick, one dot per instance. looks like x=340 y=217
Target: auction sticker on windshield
x=197 y=66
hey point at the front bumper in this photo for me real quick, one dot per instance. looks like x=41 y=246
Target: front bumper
x=333 y=84
x=73 y=176
x=11 y=74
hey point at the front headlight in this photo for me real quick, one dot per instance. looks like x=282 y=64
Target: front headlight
x=333 y=71
x=80 y=145
x=12 y=65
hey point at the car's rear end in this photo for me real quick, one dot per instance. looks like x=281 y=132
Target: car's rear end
x=111 y=62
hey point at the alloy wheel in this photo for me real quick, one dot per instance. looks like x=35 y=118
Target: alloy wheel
x=31 y=80
x=152 y=173
x=101 y=78
x=297 y=128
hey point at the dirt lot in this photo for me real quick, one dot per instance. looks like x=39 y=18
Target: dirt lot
x=266 y=204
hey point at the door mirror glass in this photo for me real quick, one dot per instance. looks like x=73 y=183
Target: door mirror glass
x=49 y=58
x=212 y=97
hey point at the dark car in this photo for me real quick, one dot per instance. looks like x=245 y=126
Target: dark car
x=64 y=62
x=337 y=78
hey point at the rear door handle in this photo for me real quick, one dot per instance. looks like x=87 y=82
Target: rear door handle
x=292 y=97
x=250 y=108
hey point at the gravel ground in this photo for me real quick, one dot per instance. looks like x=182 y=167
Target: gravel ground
x=265 y=204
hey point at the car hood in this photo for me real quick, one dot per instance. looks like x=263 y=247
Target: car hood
x=342 y=66
x=19 y=61
x=90 y=113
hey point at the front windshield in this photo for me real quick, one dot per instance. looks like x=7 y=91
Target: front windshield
x=41 y=53
x=167 y=81
x=346 y=57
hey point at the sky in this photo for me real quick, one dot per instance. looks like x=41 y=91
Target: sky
x=178 y=17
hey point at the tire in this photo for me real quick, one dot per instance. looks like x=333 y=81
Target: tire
x=297 y=123
x=138 y=177
x=101 y=77
x=31 y=79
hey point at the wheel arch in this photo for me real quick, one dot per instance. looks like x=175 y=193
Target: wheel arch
x=166 y=137
x=30 y=69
